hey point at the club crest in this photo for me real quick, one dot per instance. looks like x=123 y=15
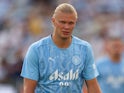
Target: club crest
x=76 y=60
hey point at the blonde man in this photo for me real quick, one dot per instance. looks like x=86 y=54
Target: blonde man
x=59 y=63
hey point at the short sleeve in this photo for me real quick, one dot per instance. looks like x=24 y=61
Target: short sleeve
x=30 y=65
x=90 y=70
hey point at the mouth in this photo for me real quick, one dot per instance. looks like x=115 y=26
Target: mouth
x=65 y=32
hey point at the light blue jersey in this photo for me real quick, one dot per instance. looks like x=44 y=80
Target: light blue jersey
x=111 y=78
x=59 y=70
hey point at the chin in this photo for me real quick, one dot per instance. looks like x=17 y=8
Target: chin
x=117 y=54
x=65 y=37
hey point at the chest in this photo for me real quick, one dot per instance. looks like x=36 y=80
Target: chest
x=61 y=63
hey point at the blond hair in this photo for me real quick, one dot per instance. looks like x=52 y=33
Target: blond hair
x=65 y=8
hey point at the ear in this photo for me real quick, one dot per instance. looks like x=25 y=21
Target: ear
x=53 y=20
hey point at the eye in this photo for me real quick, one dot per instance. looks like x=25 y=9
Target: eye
x=71 y=23
x=63 y=22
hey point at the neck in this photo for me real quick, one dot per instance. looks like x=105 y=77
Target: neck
x=115 y=58
x=62 y=42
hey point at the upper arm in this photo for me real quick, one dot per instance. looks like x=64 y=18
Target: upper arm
x=29 y=85
x=90 y=70
x=30 y=67
x=30 y=70
x=93 y=86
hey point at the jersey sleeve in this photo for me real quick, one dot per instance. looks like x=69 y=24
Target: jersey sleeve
x=100 y=66
x=30 y=65
x=90 y=70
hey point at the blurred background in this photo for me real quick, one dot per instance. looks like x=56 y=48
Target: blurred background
x=23 y=22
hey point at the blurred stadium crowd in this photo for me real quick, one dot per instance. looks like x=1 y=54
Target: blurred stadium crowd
x=23 y=22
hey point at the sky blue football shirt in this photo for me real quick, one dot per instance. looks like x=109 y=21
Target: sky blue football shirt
x=59 y=70
x=111 y=75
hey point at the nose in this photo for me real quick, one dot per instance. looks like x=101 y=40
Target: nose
x=66 y=26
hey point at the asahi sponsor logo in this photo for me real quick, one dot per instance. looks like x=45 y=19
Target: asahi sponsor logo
x=71 y=75
x=61 y=76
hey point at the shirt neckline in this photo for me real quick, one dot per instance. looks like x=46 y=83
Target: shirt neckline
x=61 y=48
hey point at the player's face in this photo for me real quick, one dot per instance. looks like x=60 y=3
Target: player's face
x=115 y=47
x=64 y=24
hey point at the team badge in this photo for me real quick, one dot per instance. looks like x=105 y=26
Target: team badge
x=76 y=60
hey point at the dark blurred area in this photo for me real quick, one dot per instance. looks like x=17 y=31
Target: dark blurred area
x=23 y=22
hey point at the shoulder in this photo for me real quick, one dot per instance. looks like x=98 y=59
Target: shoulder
x=41 y=42
x=81 y=42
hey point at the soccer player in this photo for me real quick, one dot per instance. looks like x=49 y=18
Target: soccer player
x=60 y=62
x=111 y=67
